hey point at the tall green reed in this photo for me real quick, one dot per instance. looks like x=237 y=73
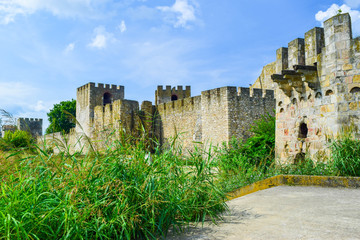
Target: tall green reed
x=116 y=195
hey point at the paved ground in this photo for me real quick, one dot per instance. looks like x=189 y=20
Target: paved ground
x=287 y=213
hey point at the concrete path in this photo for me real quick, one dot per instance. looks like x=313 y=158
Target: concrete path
x=287 y=213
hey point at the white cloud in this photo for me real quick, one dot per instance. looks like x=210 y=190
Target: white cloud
x=9 y=9
x=122 y=26
x=180 y=13
x=39 y=107
x=101 y=38
x=99 y=41
x=321 y=16
x=69 y=48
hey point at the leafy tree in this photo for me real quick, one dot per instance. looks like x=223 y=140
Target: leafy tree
x=61 y=117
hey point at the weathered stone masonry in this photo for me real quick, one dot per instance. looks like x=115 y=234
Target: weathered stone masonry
x=212 y=118
x=215 y=116
x=317 y=84
x=30 y=125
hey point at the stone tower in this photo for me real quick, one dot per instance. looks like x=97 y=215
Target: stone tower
x=171 y=94
x=30 y=125
x=88 y=97
x=318 y=90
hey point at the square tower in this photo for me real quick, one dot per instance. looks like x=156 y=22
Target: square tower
x=171 y=94
x=88 y=97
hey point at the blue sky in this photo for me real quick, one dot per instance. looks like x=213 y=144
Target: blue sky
x=50 y=47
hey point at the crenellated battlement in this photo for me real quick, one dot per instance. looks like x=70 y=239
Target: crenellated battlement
x=316 y=82
x=100 y=86
x=28 y=120
x=168 y=94
x=168 y=88
x=312 y=60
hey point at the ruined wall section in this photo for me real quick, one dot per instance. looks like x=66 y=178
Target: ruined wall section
x=5 y=128
x=264 y=80
x=244 y=109
x=181 y=119
x=30 y=125
x=69 y=143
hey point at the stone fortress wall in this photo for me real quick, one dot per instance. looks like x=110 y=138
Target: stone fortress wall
x=30 y=125
x=315 y=80
x=215 y=116
x=209 y=119
x=317 y=83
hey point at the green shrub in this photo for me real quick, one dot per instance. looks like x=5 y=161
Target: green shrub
x=345 y=156
x=243 y=162
x=16 y=139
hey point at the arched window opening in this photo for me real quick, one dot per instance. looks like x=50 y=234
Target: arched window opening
x=174 y=97
x=280 y=104
x=106 y=98
x=303 y=130
x=309 y=97
x=329 y=92
x=318 y=95
x=294 y=101
x=355 y=90
x=281 y=110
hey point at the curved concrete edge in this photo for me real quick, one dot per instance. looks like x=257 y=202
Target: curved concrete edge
x=296 y=180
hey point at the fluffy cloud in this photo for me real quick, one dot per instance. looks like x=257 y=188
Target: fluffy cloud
x=99 y=41
x=69 y=48
x=180 y=13
x=101 y=38
x=39 y=107
x=122 y=26
x=334 y=9
x=9 y=9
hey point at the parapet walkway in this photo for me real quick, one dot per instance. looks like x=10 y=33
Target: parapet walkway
x=287 y=212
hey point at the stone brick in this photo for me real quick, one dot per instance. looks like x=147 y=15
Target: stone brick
x=350 y=79
x=343 y=107
x=353 y=106
x=356 y=79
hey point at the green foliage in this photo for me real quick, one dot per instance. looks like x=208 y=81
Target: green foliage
x=261 y=146
x=122 y=194
x=62 y=116
x=16 y=139
x=241 y=162
x=345 y=155
x=257 y=150
x=307 y=167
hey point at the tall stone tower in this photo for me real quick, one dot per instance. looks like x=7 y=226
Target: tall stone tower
x=88 y=97
x=171 y=94
x=318 y=90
